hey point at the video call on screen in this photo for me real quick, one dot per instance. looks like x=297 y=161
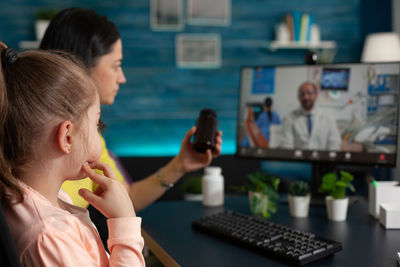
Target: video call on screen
x=357 y=105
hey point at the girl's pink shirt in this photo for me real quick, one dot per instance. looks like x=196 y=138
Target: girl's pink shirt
x=46 y=235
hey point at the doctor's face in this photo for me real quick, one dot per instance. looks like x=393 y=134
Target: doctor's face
x=307 y=95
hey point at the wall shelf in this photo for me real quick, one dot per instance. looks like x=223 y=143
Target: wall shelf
x=275 y=45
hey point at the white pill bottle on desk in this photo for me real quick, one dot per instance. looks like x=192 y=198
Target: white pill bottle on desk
x=213 y=187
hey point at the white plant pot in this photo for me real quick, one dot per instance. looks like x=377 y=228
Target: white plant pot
x=40 y=28
x=299 y=206
x=337 y=208
x=193 y=197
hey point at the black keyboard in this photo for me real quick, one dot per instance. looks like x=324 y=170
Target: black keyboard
x=271 y=239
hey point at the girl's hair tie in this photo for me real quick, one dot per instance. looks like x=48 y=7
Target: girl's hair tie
x=9 y=57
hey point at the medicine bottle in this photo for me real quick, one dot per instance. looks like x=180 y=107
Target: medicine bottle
x=213 y=187
x=204 y=137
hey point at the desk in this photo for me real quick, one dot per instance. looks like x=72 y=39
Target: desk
x=169 y=235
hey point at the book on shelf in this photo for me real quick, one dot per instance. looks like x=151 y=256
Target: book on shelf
x=296 y=25
x=299 y=25
x=289 y=23
x=310 y=23
x=303 y=27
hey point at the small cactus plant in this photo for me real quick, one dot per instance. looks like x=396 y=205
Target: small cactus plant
x=299 y=188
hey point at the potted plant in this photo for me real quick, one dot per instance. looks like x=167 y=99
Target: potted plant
x=262 y=190
x=43 y=18
x=191 y=188
x=299 y=199
x=336 y=201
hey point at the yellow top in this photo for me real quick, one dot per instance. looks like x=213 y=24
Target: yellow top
x=72 y=187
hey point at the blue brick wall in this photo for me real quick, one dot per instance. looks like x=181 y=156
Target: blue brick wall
x=160 y=102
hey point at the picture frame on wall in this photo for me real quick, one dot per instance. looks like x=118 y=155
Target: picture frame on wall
x=198 y=51
x=209 y=12
x=166 y=15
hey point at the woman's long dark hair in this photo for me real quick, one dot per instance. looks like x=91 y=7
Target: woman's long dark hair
x=81 y=32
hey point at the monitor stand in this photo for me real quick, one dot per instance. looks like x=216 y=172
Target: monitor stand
x=318 y=170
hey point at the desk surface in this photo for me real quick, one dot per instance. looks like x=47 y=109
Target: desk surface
x=365 y=241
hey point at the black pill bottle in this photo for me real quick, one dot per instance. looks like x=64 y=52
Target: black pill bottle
x=207 y=125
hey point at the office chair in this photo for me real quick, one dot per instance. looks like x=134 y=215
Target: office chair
x=8 y=252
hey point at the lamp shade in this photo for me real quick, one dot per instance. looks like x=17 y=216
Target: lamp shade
x=381 y=47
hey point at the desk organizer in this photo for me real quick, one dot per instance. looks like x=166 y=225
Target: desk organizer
x=382 y=192
x=389 y=215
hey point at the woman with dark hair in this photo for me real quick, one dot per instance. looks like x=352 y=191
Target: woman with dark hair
x=93 y=39
x=94 y=35
x=268 y=108
x=96 y=41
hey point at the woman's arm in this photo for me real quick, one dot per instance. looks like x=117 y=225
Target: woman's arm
x=146 y=191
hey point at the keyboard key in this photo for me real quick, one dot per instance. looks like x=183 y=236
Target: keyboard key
x=318 y=251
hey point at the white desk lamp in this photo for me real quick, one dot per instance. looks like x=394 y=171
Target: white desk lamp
x=381 y=47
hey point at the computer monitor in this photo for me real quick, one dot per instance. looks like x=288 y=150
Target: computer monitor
x=332 y=113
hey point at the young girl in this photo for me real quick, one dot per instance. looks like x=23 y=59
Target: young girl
x=49 y=115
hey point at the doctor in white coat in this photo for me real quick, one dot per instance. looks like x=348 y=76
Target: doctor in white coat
x=307 y=127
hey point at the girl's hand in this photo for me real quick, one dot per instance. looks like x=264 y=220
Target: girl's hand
x=192 y=160
x=111 y=197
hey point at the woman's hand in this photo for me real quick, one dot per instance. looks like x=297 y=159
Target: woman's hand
x=111 y=197
x=192 y=160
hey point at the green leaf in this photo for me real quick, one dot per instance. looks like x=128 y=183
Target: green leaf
x=191 y=184
x=334 y=187
x=345 y=176
x=299 y=188
x=272 y=207
x=271 y=193
x=268 y=186
x=276 y=184
x=341 y=184
x=351 y=187
x=46 y=14
x=337 y=193
x=329 y=178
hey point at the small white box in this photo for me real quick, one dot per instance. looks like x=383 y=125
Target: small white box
x=382 y=192
x=390 y=215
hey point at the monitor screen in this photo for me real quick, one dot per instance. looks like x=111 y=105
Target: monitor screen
x=341 y=113
x=336 y=79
